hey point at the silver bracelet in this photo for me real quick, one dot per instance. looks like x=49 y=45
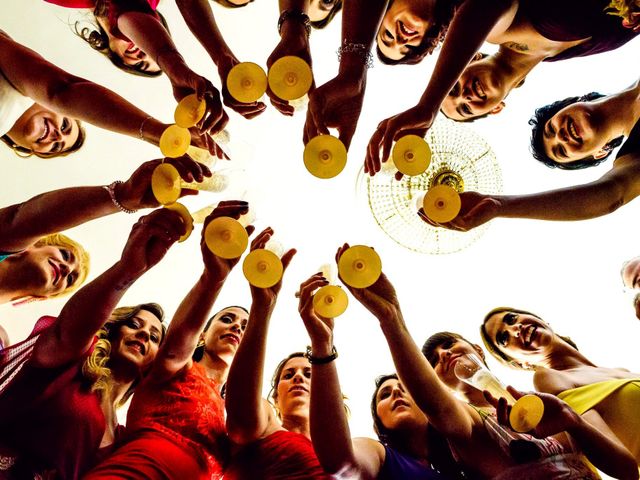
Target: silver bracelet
x=112 y=194
x=360 y=49
x=141 y=129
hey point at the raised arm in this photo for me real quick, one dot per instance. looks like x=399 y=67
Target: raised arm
x=88 y=310
x=248 y=417
x=446 y=413
x=199 y=18
x=332 y=442
x=614 y=189
x=190 y=317
x=472 y=23
x=338 y=102
x=24 y=223
x=76 y=97
x=151 y=36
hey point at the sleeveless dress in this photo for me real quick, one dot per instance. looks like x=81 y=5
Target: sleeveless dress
x=175 y=430
x=283 y=455
x=618 y=403
x=49 y=418
x=398 y=466
x=570 y=20
x=12 y=103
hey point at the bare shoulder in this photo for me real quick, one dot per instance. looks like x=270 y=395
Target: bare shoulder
x=552 y=381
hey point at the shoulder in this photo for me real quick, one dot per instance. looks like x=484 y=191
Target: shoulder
x=551 y=381
x=370 y=455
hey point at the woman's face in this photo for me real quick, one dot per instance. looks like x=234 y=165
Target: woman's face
x=576 y=132
x=44 y=131
x=319 y=9
x=395 y=407
x=522 y=336
x=137 y=340
x=403 y=27
x=481 y=89
x=445 y=356
x=225 y=332
x=47 y=270
x=294 y=386
x=132 y=56
x=631 y=274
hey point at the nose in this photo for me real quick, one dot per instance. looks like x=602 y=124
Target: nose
x=236 y=328
x=444 y=355
x=55 y=134
x=143 y=334
x=397 y=391
x=298 y=377
x=515 y=329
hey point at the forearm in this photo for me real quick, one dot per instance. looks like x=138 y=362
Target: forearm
x=246 y=418
x=187 y=324
x=198 y=16
x=472 y=23
x=360 y=22
x=447 y=414
x=606 y=454
x=83 y=315
x=331 y=440
x=24 y=223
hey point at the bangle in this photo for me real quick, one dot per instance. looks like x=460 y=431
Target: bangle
x=360 y=49
x=321 y=360
x=141 y=129
x=297 y=15
x=112 y=194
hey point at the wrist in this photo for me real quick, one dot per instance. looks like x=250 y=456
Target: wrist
x=320 y=358
x=294 y=19
x=117 y=195
x=212 y=279
x=322 y=347
x=151 y=130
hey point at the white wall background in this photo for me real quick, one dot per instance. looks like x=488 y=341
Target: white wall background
x=566 y=272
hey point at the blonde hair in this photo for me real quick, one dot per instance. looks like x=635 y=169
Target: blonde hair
x=621 y=8
x=60 y=240
x=96 y=373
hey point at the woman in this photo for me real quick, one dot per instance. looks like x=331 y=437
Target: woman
x=408 y=447
x=131 y=33
x=50 y=127
x=468 y=425
x=175 y=424
x=574 y=133
x=57 y=411
x=528 y=32
x=36 y=263
x=269 y=448
x=607 y=398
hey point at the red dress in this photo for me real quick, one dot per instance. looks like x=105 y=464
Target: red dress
x=283 y=455
x=175 y=430
x=50 y=418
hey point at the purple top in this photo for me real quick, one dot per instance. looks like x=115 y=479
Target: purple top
x=570 y=20
x=398 y=465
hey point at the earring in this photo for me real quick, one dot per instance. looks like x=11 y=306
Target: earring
x=200 y=343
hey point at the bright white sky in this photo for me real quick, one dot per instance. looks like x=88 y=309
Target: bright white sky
x=566 y=272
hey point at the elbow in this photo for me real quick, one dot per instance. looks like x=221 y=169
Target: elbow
x=628 y=469
x=59 y=90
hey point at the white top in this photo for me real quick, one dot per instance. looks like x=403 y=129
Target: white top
x=12 y=105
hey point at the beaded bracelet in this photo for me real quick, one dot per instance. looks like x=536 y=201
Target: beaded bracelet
x=297 y=15
x=112 y=194
x=360 y=49
x=141 y=129
x=321 y=360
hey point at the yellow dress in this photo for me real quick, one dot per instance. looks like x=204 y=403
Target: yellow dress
x=618 y=403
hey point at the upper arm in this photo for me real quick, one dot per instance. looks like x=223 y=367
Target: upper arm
x=369 y=456
x=624 y=177
x=32 y=75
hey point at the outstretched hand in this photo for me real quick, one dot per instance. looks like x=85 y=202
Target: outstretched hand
x=268 y=296
x=380 y=298
x=150 y=240
x=320 y=329
x=558 y=416
x=294 y=42
x=336 y=104
x=216 y=267
x=247 y=110
x=413 y=121
x=215 y=118
x=476 y=209
x=136 y=192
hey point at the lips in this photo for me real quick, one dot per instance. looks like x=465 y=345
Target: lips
x=139 y=346
x=131 y=49
x=406 y=30
x=46 y=130
x=231 y=336
x=399 y=403
x=298 y=388
x=451 y=362
x=528 y=335
x=56 y=272
x=573 y=131
x=479 y=89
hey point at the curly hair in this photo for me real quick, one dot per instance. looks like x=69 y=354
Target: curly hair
x=624 y=9
x=493 y=348
x=95 y=370
x=443 y=14
x=98 y=39
x=25 y=152
x=544 y=114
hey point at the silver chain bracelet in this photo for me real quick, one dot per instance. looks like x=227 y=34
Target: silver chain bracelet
x=359 y=49
x=112 y=194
